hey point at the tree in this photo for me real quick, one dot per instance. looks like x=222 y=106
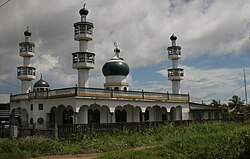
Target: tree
x=215 y=103
x=235 y=103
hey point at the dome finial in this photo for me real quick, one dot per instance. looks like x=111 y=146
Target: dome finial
x=27 y=32
x=116 y=50
x=115 y=44
x=41 y=76
x=173 y=38
x=84 y=11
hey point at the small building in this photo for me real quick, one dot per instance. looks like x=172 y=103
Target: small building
x=204 y=112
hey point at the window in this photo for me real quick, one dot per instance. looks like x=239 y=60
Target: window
x=209 y=115
x=216 y=115
x=40 y=106
x=31 y=121
x=40 y=121
x=31 y=106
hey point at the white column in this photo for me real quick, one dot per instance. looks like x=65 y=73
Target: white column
x=25 y=86
x=143 y=117
x=26 y=61
x=83 y=78
x=113 y=117
x=75 y=118
x=85 y=115
x=175 y=63
x=176 y=87
x=83 y=46
x=27 y=38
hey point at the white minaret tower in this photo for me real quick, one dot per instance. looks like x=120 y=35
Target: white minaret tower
x=26 y=73
x=175 y=74
x=83 y=60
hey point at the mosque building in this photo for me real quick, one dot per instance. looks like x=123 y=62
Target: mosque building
x=43 y=106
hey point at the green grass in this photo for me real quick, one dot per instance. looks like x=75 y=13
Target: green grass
x=198 y=141
x=208 y=140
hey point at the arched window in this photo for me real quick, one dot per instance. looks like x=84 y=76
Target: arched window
x=67 y=116
x=146 y=115
x=31 y=121
x=117 y=116
x=141 y=119
x=52 y=116
x=93 y=116
x=116 y=88
x=172 y=114
x=120 y=116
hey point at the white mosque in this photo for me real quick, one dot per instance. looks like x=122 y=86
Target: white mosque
x=43 y=106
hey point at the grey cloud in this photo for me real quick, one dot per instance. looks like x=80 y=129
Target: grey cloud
x=141 y=28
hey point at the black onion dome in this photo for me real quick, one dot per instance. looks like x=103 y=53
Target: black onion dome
x=83 y=11
x=173 y=37
x=41 y=83
x=27 y=33
x=115 y=67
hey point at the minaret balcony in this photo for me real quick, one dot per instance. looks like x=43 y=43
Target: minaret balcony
x=84 y=60
x=27 y=49
x=26 y=73
x=174 y=52
x=83 y=31
x=175 y=74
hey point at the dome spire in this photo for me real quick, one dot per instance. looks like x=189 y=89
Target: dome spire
x=173 y=38
x=115 y=71
x=27 y=33
x=116 y=50
x=83 y=12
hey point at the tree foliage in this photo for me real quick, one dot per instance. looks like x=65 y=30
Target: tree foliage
x=235 y=103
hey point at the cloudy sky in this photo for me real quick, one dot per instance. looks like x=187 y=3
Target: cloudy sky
x=214 y=35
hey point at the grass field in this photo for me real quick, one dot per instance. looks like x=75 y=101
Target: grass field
x=206 y=140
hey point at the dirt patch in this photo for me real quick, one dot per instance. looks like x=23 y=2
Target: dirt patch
x=87 y=155
x=77 y=156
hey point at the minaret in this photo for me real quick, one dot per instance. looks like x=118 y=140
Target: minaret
x=175 y=74
x=26 y=73
x=83 y=61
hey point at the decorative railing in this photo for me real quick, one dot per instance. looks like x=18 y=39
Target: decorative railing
x=175 y=72
x=4 y=113
x=101 y=93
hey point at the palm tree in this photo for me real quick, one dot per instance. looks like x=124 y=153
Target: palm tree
x=215 y=103
x=235 y=103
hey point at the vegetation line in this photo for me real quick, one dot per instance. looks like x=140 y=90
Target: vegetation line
x=213 y=140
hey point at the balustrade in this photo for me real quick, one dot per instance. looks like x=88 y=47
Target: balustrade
x=101 y=93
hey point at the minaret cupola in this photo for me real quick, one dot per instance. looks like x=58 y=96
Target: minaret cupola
x=83 y=60
x=26 y=73
x=116 y=71
x=175 y=74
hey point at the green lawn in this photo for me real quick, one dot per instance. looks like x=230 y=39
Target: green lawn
x=208 y=140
